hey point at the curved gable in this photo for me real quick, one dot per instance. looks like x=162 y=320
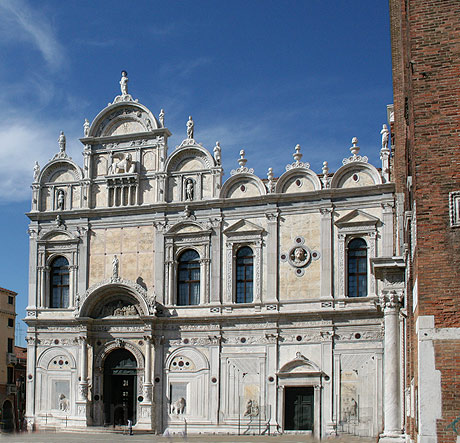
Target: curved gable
x=243 y=185
x=121 y=119
x=298 y=180
x=356 y=174
x=60 y=171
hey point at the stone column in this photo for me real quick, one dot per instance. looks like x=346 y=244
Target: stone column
x=390 y=301
x=326 y=253
x=31 y=380
x=272 y=256
x=83 y=368
x=148 y=370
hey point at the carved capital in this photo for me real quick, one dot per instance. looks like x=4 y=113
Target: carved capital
x=391 y=300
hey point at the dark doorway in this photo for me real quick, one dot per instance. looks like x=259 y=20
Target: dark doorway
x=298 y=408
x=8 y=418
x=120 y=380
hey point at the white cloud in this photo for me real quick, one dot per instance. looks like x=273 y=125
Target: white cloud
x=23 y=141
x=34 y=26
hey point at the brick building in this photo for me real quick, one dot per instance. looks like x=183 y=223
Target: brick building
x=426 y=121
x=7 y=357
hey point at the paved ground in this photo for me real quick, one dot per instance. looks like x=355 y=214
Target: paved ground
x=61 y=437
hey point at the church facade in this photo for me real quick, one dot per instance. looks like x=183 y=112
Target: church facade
x=162 y=294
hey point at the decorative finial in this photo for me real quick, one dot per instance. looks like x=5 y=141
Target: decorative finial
x=385 y=136
x=325 y=178
x=36 y=171
x=355 y=148
x=190 y=126
x=62 y=142
x=242 y=161
x=297 y=155
x=217 y=153
x=270 y=175
x=161 y=117
x=124 y=83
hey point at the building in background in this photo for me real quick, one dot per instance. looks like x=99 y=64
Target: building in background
x=7 y=358
x=163 y=295
x=426 y=69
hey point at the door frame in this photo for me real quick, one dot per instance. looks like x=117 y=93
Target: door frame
x=317 y=403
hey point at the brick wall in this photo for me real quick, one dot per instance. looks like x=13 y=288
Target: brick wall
x=426 y=82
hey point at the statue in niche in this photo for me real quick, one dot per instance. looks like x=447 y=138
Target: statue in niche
x=63 y=403
x=162 y=118
x=252 y=409
x=385 y=136
x=124 y=83
x=60 y=199
x=115 y=264
x=178 y=407
x=217 y=151
x=86 y=128
x=189 y=189
x=36 y=171
x=353 y=408
x=190 y=126
x=62 y=142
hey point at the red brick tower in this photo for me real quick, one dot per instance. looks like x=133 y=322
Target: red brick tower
x=426 y=81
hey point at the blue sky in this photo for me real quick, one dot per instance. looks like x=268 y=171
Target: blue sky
x=261 y=75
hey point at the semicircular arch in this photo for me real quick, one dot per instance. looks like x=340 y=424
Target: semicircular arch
x=288 y=178
x=199 y=359
x=49 y=354
x=108 y=121
x=232 y=188
x=347 y=171
x=178 y=160
x=60 y=170
x=102 y=294
x=113 y=345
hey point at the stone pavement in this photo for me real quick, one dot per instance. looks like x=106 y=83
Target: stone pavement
x=77 y=437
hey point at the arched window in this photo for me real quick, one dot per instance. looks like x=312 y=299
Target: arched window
x=244 y=275
x=357 y=268
x=59 y=283
x=188 y=282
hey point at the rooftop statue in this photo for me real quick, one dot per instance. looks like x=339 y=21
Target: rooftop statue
x=124 y=83
x=36 y=171
x=385 y=136
x=86 y=128
x=190 y=126
x=62 y=142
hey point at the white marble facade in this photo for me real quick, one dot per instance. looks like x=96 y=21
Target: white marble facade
x=294 y=350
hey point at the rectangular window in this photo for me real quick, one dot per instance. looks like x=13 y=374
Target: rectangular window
x=10 y=300
x=11 y=322
x=10 y=378
x=10 y=345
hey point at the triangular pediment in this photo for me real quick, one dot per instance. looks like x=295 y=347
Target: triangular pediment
x=243 y=227
x=357 y=218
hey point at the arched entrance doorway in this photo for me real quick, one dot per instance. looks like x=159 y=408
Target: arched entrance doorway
x=7 y=416
x=120 y=382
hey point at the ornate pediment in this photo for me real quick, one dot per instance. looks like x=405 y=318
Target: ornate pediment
x=300 y=365
x=357 y=218
x=244 y=227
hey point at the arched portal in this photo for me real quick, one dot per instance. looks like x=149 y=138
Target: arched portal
x=8 y=417
x=120 y=382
